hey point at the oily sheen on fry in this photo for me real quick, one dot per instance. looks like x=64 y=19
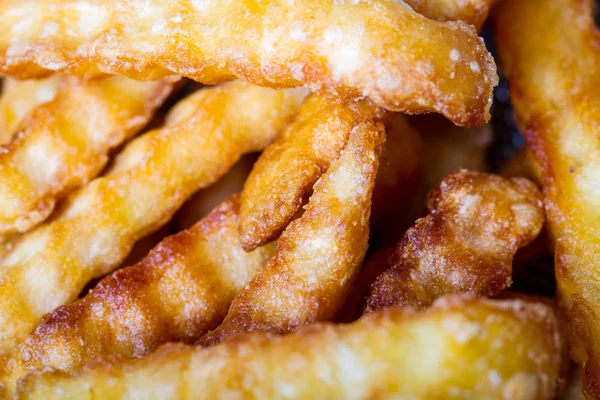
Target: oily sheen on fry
x=64 y=143
x=466 y=244
x=178 y=292
x=18 y=98
x=94 y=231
x=459 y=348
x=549 y=51
x=319 y=254
x=287 y=169
x=379 y=49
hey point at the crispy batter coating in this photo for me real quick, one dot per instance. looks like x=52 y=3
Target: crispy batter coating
x=473 y=12
x=319 y=254
x=461 y=348
x=286 y=171
x=549 y=50
x=379 y=49
x=178 y=292
x=64 y=143
x=18 y=98
x=94 y=231
x=465 y=245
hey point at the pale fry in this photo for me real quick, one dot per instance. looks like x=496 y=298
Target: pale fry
x=549 y=50
x=64 y=143
x=465 y=245
x=286 y=171
x=178 y=292
x=149 y=181
x=379 y=49
x=319 y=254
x=20 y=97
x=460 y=348
x=473 y=12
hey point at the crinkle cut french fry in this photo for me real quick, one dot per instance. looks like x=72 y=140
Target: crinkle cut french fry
x=549 y=50
x=319 y=254
x=465 y=245
x=64 y=143
x=460 y=348
x=305 y=152
x=149 y=181
x=20 y=97
x=178 y=292
x=379 y=49
x=286 y=170
x=473 y=12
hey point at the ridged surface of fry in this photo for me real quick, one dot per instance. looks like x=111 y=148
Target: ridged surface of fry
x=286 y=171
x=178 y=292
x=379 y=49
x=64 y=143
x=150 y=179
x=460 y=348
x=466 y=244
x=550 y=53
x=20 y=97
x=319 y=254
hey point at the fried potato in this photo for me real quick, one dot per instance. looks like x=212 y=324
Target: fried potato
x=473 y=12
x=319 y=254
x=178 y=292
x=459 y=348
x=20 y=97
x=64 y=143
x=465 y=245
x=205 y=135
x=286 y=171
x=379 y=49
x=549 y=51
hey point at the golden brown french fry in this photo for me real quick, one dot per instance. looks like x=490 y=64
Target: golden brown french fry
x=465 y=245
x=205 y=135
x=473 y=12
x=459 y=348
x=286 y=171
x=178 y=292
x=18 y=98
x=379 y=49
x=64 y=143
x=319 y=254
x=549 y=51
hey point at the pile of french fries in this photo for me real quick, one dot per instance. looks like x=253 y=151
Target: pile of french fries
x=236 y=200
